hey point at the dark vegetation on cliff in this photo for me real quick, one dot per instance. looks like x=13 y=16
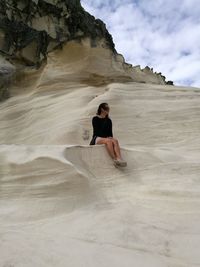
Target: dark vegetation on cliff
x=31 y=28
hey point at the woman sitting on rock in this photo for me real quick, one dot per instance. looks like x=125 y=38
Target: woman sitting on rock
x=102 y=134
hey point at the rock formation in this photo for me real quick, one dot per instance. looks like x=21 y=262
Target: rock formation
x=63 y=203
x=29 y=30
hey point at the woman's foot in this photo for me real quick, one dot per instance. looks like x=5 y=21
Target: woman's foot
x=120 y=162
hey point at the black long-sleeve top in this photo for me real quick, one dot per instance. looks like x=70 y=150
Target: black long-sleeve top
x=102 y=127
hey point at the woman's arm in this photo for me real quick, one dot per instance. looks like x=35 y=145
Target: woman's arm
x=95 y=124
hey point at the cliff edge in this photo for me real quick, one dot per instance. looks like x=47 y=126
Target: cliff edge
x=30 y=30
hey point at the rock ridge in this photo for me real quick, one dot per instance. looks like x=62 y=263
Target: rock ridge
x=30 y=30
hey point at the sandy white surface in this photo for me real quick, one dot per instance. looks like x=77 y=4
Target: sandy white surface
x=64 y=203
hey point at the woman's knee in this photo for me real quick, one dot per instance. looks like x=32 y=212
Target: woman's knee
x=115 y=141
x=108 y=141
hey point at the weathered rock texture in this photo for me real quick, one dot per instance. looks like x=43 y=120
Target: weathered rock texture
x=29 y=30
x=63 y=203
x=6 y=76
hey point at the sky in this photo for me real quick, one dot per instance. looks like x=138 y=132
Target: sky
x=161 y=34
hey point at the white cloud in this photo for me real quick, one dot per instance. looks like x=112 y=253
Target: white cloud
x=162 y=34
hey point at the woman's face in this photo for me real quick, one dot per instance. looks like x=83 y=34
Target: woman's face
x=106 y=109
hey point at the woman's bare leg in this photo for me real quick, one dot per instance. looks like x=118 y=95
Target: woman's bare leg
x=117 y=148
x=119 y=159
x=109 y=145
x=113 y=148
x=110 y=148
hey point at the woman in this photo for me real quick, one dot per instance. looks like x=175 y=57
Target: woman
x=102 y=134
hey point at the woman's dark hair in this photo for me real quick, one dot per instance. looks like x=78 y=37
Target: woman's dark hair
x=102 y=106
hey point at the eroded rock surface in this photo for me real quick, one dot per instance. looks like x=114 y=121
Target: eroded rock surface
x=30 y=29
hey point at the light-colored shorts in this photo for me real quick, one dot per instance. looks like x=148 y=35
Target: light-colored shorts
x=97 y=138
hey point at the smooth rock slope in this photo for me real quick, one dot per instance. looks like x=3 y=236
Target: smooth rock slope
x=63 y=202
